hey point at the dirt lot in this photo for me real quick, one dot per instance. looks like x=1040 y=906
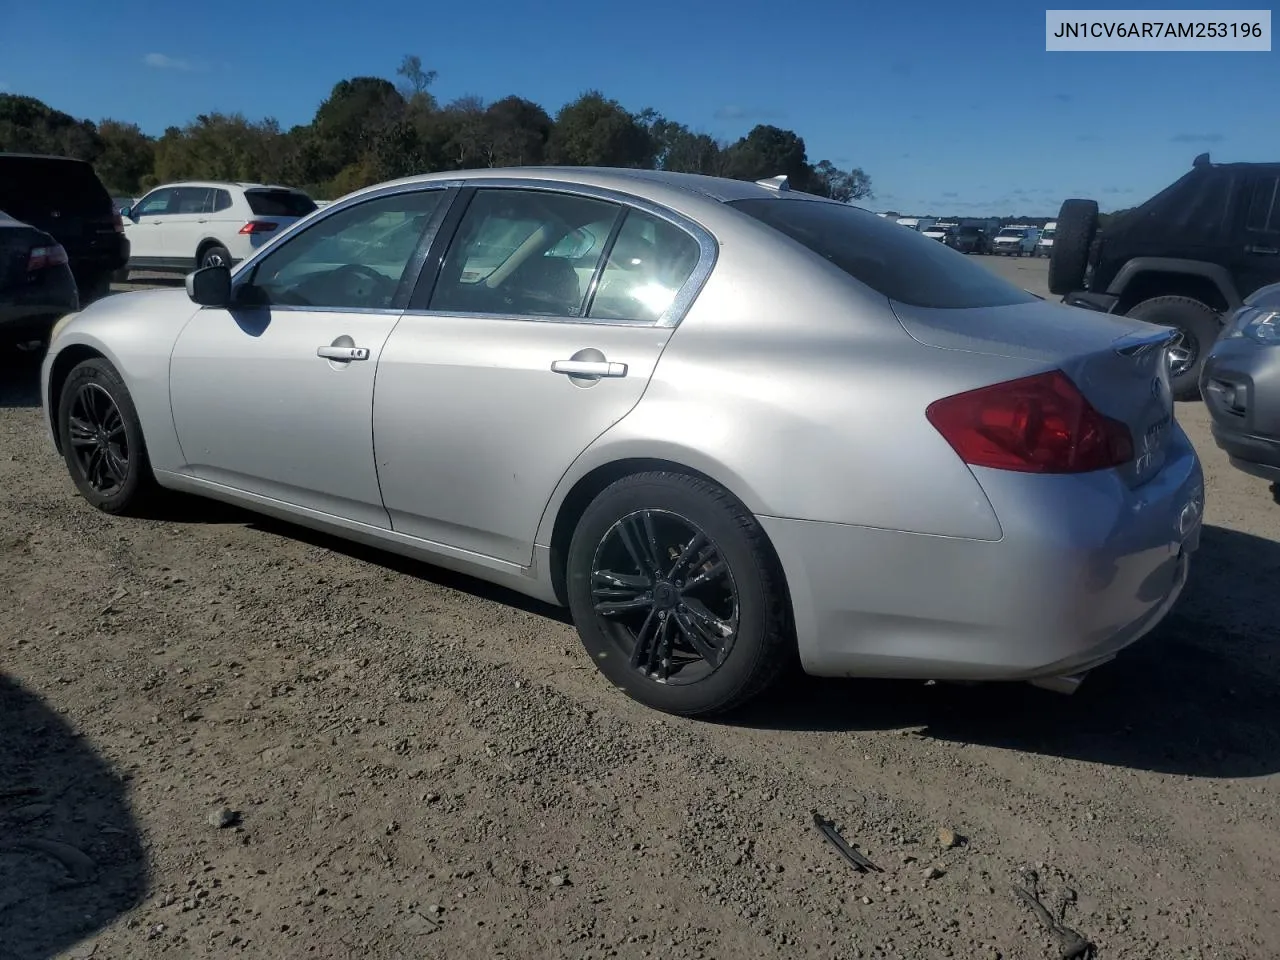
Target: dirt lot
x=225 y=736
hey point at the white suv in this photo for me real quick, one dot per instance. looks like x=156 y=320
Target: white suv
x=1015 y=241
x=179 y=227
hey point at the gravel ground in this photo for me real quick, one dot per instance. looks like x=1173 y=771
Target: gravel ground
x=226 y=736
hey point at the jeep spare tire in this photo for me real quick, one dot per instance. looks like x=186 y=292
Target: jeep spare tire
x=1077 y=224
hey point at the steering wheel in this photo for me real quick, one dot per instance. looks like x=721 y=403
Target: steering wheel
x=359 y=283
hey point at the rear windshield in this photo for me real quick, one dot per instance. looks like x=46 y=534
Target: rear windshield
x=279 y=203
x=900 y=264
x=34 y=186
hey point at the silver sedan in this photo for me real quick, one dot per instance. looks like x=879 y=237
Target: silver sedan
x=730 y=426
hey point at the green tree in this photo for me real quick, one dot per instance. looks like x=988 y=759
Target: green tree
x=27 y=125
x=768 y=151
x=844 y=185
x=595 y=131
x=416 y=82
x=517 y=133
x=128 y=156
x=677 y=148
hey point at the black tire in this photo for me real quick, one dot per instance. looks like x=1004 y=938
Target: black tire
x=214 y=256
x=1198 y=325
x=1077 y=224
x=137 y=491
x=761 y=648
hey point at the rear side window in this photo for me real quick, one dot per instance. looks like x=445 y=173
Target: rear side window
x=1263 y=214
x=279 y=203
x=32 y=186
x=221 y=200
x=902 y=265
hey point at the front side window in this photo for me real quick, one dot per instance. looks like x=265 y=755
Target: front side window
x=649 y=263
x=524 y=253
x=899 y=264
x=354 y=259
x=159 y=203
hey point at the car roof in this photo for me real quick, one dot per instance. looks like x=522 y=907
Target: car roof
x=648 y=183
x=41 y=156
x=241 y=184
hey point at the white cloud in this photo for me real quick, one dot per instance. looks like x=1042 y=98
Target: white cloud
x=163 y=61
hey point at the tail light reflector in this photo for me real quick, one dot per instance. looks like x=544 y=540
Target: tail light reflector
x=1037 y=424
x=258 y=226
x=43 y=257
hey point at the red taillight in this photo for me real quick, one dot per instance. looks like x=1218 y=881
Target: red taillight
x=42 y=257
x=258 y=226
x=1039 y=424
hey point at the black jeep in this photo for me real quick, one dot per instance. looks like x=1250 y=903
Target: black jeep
x=1184 y=259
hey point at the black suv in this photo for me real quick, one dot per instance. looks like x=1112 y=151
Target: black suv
x=65 y=198
x=1184 y=259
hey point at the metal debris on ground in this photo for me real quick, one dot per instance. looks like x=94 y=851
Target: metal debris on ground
x=828 y=830
x=1071 y=945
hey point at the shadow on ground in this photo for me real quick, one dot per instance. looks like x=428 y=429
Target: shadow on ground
x=71 y=856
x=1197 y=697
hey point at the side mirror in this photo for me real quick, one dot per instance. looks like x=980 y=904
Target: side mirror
x=126 y=212
x=210 y=286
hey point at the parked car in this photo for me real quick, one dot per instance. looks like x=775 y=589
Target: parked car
x=1044 y=246
x=941 y=475
x=179 y=227
x=968 y=239
x=36 y=284
x=1185 y=259
x=937 y=231
x=1240 y=384
x=65 y=198
x=1015 y=241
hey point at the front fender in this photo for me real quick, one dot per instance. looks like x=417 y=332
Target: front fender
x=135 y=333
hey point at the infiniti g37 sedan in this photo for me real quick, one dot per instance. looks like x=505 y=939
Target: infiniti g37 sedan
x=730 y=426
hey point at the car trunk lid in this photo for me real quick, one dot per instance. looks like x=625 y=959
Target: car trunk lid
x=1117 y=363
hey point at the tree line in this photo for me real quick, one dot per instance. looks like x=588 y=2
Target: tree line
x=369 y=130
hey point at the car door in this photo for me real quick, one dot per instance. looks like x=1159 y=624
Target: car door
x=145 y=225
x=539 y=331
x=1255 y=251
x=184 y=228
x=274 y=395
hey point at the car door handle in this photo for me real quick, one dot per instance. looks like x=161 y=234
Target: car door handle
x=343 y=353
x=1264 y=251
x=589 y=368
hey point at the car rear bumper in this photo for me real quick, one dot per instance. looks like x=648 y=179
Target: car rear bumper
x=53 y=296
x=1086 y=567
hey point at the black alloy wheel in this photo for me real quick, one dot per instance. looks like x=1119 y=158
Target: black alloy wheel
x=667 y=596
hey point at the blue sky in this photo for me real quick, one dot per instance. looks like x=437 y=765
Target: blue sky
x=949 y=107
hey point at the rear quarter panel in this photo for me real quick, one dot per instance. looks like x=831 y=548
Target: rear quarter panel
x=795 y=388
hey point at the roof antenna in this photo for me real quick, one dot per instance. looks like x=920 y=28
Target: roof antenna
x=778 y=183
x=1201 y=161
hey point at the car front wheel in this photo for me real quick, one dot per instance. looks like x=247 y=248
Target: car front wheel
x=677 y=595
x=101 y=439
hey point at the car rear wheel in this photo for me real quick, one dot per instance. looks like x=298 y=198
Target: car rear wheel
x=101 y=439
x=215 y=257
x=1077 y=224
x=677 y=596
x=1198 y=327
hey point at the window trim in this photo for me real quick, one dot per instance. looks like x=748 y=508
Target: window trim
x=243 y=275
x=708 y=251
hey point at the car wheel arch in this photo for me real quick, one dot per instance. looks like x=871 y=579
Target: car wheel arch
x=1139 y=279
x=67 y=360
x=573 y=497
x=205 y=245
